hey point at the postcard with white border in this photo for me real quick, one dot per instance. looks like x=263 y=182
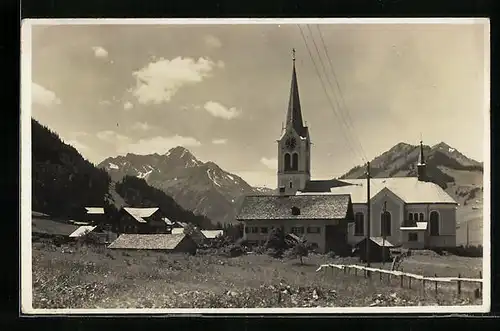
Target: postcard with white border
x=255 y=166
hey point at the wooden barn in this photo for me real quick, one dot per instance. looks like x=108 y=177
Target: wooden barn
x=170 y=243
x=379 y=249
x=142 y=221
x=95 y=215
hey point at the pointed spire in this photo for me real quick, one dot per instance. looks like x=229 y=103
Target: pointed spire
x=294 y=113
x=421 y=158
x=421 y=167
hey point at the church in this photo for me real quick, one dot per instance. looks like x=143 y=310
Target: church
x=411 y=212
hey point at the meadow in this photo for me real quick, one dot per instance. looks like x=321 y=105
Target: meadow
x=87 y=276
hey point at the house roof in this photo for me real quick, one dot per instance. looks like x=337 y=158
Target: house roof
x=280 y=207
x=46 y=226
x=210 y=234
x=177 y=230
x=139 y=213
x=408 y=189
x=181 y=224
x=81 y=231
x=167 y=221
x=418 y=227
x=38 y=214
x=379 y=241
x=147 y=241
x=95 y=210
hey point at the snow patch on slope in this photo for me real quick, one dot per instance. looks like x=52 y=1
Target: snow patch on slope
x=113 y=166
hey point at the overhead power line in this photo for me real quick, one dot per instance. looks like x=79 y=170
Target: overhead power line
x=343 y=127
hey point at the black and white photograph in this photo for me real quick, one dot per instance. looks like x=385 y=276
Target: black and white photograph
x=255 y=165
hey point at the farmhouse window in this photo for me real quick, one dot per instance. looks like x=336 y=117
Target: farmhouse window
x=313 y=229
x=385 y=223
x=298 y=230
x=359 y=224
x=247 y=229
x=434 y=220
x=263 y=230
x=255 y=229
x=412 y=236
x=410 y=216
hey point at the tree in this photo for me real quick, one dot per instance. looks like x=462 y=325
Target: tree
x=275 y=243
x=300 y=250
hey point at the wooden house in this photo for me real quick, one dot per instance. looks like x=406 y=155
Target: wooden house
x=142 y=221
x=379 y=249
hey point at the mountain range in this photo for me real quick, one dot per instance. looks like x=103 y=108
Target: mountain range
x=206 y=189
x=202 y=187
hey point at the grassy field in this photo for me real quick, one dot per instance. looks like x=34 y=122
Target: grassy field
x=94 y=277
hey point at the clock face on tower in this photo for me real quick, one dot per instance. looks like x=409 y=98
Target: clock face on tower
x=290 y=143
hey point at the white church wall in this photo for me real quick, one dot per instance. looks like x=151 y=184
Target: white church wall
x=395 y=207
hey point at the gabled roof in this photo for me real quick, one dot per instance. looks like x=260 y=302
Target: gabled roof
x=82 y=230
x=379 y=241
x=147 y=241
x=95 y=210
x=210 y=234
x=140 y=213
x=408 y=189
x=280 y=207
x=50 y=227
x=167 y=221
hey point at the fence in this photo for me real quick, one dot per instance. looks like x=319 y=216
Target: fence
x=477 y=283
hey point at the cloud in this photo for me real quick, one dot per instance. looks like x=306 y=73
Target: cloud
x=105 y=102
x=159 y=144
x=128 y=105
x=141 y=126
x=212 y=41
x=112 y=137
x=159 y=81
x=78 y=145
x=270 y=163
x=218 y=110
x=42 y=96
x=219 y=141
x=100 y=52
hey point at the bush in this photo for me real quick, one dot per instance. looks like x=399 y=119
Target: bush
x=466 y=251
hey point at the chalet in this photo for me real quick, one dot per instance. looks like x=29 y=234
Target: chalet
x=142 y=221
x=323 y=219
x=95 y=215
x=212 y=234
x=170 y=243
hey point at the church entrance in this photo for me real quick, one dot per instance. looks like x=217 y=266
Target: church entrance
x=336 y=239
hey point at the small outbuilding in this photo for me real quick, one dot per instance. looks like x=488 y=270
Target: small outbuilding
x=171 y=243
x=379 y=249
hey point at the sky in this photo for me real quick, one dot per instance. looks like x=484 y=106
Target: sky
x=222 y=90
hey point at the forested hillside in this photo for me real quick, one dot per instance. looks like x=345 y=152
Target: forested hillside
x=63 y=183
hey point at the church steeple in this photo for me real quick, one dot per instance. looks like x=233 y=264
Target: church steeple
x=294 y=113
x=421 y=166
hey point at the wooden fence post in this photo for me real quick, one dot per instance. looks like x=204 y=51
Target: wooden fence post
x=401 y=279
x=355 y=271
x=380 y=273
x=481 y=284
x=459 y=286
x=436 y=285
x=409 y=282
x=423 y=286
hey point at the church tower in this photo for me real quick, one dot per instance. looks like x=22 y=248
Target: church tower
x=421 y=166
x=294 y=145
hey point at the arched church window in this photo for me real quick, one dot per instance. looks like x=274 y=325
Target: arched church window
x=434 y=220
x=385 y=223
x=295 y=162
x=287 y=161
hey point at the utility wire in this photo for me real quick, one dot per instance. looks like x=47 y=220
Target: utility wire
x=340 y=90
x=346 y=134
